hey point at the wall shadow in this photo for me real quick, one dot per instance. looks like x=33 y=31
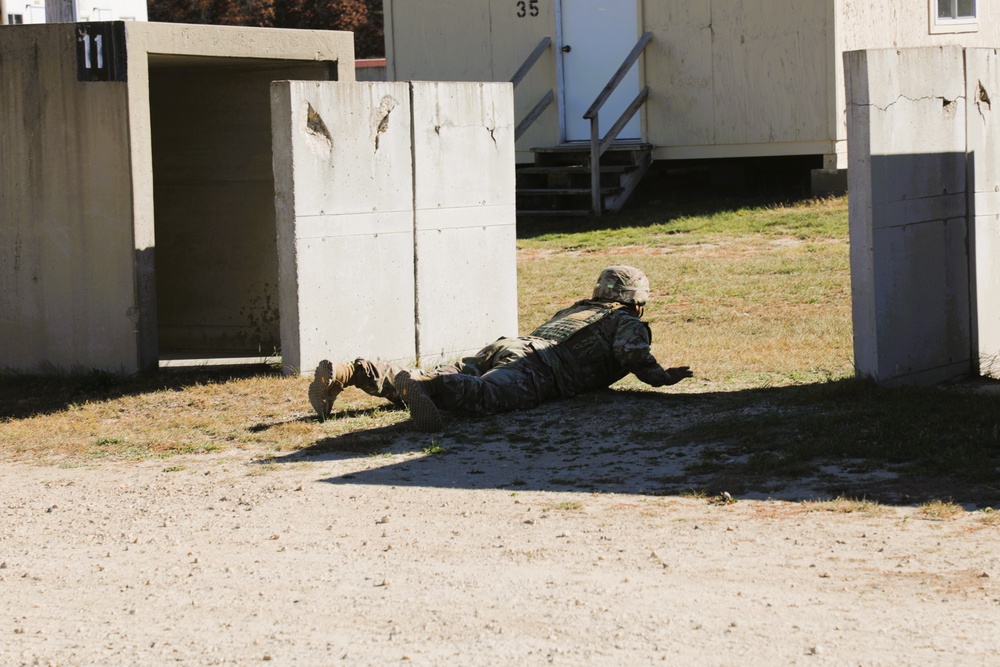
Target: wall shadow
x=23 y=395
x=847 y=438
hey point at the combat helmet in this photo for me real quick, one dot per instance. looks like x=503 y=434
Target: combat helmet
x=624 y=284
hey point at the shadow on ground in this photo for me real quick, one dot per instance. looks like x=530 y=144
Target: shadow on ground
x=845 y=438
x=24 y=395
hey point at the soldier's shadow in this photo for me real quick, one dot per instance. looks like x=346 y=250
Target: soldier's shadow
x=326 y=444
x=751 y=444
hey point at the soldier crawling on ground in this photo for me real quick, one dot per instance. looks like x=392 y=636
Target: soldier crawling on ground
x=588 y=346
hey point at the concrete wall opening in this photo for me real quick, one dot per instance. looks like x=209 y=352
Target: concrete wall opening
x=216 y=260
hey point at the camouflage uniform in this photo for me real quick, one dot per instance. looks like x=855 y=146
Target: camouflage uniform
x=588 y=346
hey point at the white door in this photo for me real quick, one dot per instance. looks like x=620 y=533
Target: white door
x=596 y=37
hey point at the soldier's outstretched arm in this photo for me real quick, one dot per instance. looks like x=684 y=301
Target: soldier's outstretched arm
x=631 y=348
x=678 y=373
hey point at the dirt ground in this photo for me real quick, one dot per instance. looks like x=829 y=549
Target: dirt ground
x=438 y=552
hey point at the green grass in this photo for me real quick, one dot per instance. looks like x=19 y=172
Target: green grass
x=812 y=221
x=748 y=297
x=755 y=298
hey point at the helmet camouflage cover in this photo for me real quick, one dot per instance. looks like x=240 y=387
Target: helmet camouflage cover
x=624 y=284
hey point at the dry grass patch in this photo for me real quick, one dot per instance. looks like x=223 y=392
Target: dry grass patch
x=940 y=510
x=842 y=505
x=755 y=299
x=988 y=517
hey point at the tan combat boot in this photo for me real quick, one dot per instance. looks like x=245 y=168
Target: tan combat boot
x=328 y=381
x=424 y=413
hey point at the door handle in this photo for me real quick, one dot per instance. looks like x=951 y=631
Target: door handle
x=567 y=48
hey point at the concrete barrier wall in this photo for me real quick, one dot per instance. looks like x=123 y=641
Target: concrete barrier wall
x=78 y=267
x=343 y=178
x=920 y=144
x=982 y=83
x=395 y=227
x=67 y=291
x=463 y=166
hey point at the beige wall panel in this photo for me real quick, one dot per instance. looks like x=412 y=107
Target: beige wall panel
x=445 y=40
x=678 y=69
x=513 y=38
x=878 y=24
x=66 y=254
x=482 y=40
x=769 y=61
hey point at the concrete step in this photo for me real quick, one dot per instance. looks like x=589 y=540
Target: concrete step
x=554 y=213
x=566 y=191
x=560 y=177
x=575 y=169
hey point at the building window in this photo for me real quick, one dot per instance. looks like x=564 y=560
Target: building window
x=15 y=19
x=955 y=10
x=951 y=16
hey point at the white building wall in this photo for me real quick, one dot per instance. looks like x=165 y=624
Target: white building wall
x=111 y=10
x=34 y=11
x=22 y=11
x=893 y=24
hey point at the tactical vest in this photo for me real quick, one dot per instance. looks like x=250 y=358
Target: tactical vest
x=573 y=319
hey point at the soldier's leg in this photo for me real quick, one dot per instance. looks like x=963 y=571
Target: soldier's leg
x=329 y=380
x=373 y=377
x=377 y=378
x=403 y=386
x=510 y=387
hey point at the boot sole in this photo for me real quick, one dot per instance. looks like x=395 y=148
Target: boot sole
x=424 y=413
x=318 y=390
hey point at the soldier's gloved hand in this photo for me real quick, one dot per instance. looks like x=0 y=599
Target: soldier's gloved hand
x=678 y=373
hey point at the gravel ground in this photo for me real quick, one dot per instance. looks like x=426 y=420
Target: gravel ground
x=415 y=557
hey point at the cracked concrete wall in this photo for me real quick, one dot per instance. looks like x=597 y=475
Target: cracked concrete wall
x=77 y=226
x=923 y=248
x=464 y=217
x=344 y=194
x=982 y=69
x=395 y=206
x=66 y=253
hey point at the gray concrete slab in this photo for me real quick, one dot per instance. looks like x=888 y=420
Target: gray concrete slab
x=463 y=165
x=343 y=176
x=86 y=199
x=908 y=214
x=982 y=68
x=396 y=223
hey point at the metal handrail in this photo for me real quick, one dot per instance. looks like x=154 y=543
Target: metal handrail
x=530 y=61
x=519 y=75
x=533 y=115
x=598 y=145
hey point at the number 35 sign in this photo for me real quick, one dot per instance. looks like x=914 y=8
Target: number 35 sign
x=527 y=8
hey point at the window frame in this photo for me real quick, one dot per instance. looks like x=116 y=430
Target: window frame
x=939 y=26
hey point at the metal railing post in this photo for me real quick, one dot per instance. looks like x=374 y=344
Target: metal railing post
x=597 y=145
